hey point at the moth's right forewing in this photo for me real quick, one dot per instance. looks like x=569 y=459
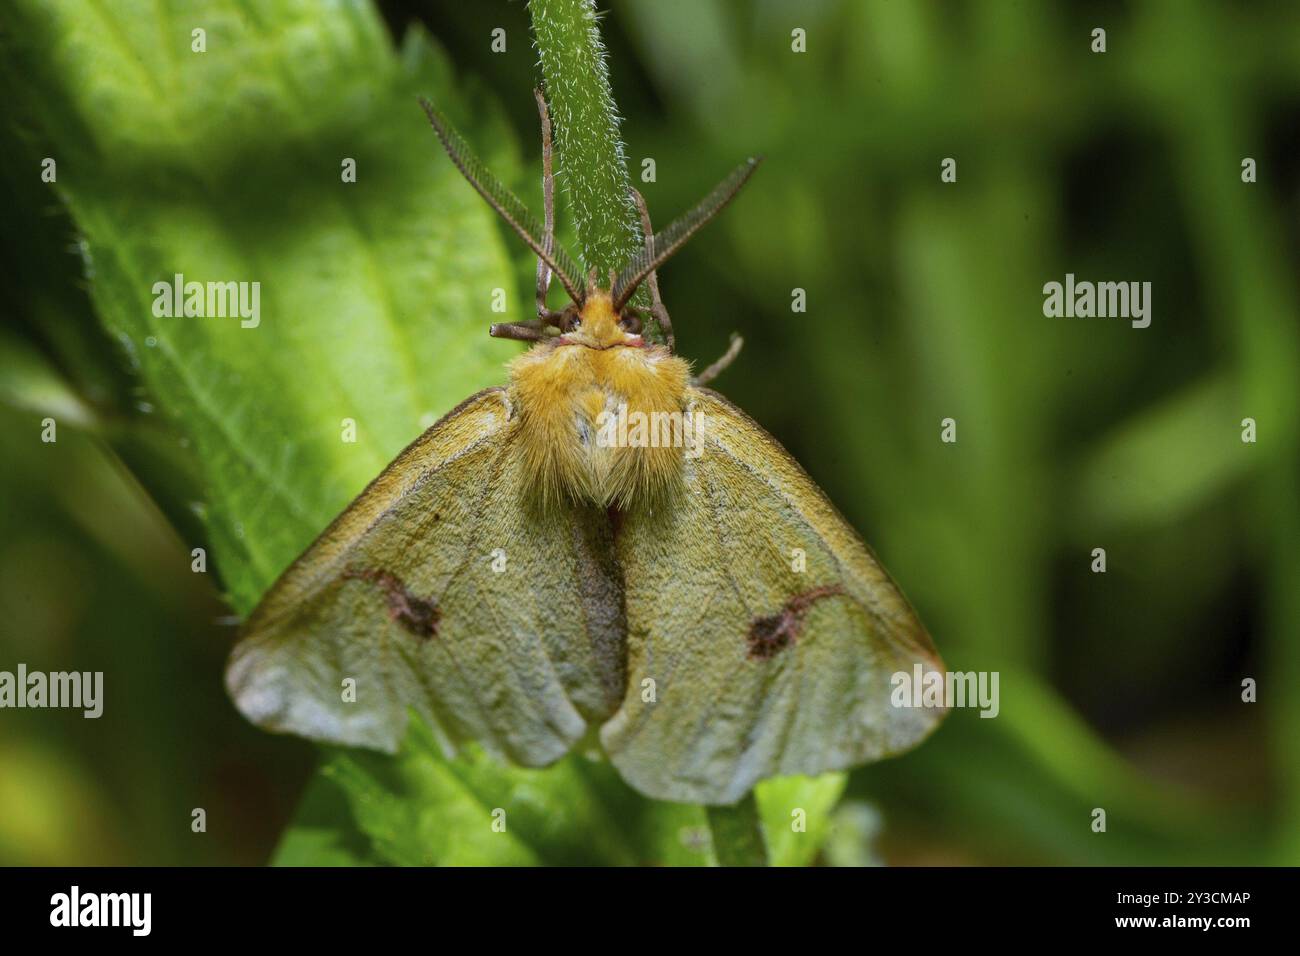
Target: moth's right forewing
x=768 y=633
x=438 y=590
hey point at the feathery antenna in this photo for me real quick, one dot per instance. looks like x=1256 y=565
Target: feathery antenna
x=508 y=206
x=668 y=241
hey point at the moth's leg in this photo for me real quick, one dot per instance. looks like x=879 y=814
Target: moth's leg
x=548 y=217
x=720 y=366
x=652 y=280
x=534 y=329
x=523 y=331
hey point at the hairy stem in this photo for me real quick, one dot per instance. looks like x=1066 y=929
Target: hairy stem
x=591 y=162
x=738 y=833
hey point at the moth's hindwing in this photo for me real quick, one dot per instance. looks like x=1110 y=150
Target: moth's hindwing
x=758 y=668
x=440 y=590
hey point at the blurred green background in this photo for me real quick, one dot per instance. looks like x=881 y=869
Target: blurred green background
x=924 y=301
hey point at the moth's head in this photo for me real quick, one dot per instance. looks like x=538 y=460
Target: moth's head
x=598 y=324
x=597 y=317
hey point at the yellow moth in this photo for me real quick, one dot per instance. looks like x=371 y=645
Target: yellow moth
x=530 y=577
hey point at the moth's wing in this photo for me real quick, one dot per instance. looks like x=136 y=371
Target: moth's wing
x=400 y=594
x=759 y=670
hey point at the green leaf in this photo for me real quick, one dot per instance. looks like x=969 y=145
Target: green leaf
x=226 y=165
x=797 y=815
x=323 y=832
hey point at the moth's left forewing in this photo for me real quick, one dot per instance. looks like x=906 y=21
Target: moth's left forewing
x=437 y=591
x=763 y=636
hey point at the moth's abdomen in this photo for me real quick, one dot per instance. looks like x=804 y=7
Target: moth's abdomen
x=607 y=426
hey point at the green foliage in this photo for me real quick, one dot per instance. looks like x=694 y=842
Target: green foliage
x=423 y=809
x=227 y=164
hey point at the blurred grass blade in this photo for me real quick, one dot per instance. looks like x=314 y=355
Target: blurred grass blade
x=27 y=382
x=1167 y=461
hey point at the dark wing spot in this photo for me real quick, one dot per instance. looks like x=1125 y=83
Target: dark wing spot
x=418 y=615
x=768 y=636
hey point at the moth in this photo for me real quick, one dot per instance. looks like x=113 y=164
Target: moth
x=704 y=614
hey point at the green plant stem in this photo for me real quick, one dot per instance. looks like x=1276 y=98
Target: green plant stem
x=738 y=833
x=591 y=163
x=594 y=173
